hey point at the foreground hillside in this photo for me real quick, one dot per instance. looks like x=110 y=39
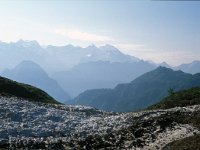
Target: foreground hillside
x=12 y=88
x=180 y=99
x=148 y=89
x=24 y=124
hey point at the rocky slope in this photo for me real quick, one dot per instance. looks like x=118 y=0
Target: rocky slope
x=49 y=126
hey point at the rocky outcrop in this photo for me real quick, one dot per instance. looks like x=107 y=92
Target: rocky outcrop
x=25 y=124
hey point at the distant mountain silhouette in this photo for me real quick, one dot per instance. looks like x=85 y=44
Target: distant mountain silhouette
x=100 y=74
x=11 y=88
x=57 y=58
x=193 y=67
x=164 y=64
x=144 y=91
x=30 y=73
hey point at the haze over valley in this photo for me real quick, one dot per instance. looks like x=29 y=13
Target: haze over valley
x=89 y=75
x=105 y=67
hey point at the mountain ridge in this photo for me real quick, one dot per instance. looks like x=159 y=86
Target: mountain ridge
x=144 y=91
x=57 y=58
x=100 y=74
x=193 y=67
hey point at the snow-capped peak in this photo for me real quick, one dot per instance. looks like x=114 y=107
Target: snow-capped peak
x=27 y=43
x=109 y=48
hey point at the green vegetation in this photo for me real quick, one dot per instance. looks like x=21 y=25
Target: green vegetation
x=12 y=88
x=171 y=91
x=180 y=99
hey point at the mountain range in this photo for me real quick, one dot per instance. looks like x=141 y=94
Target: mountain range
x=61 y=58
x=193 y=67
x=30 y=73
x=74 y=68
x=144 y=91
x=57 y=58
x=100 y=74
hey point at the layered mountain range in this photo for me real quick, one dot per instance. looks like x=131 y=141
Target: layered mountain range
x=144 y=91
x=57 y=58
x=30 y=73
x=100 y=74
x=64 y=72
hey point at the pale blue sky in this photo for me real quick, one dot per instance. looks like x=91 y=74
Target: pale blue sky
x=153 y=30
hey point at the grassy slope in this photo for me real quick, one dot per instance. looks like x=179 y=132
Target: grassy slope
x=180 y=99
x=12 y=88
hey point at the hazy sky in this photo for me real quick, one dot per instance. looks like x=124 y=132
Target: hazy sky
x=153 y=30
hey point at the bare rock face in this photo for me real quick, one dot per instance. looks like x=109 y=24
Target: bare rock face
x=30 y=125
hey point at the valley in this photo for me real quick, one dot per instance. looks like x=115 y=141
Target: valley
x=99 y=75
